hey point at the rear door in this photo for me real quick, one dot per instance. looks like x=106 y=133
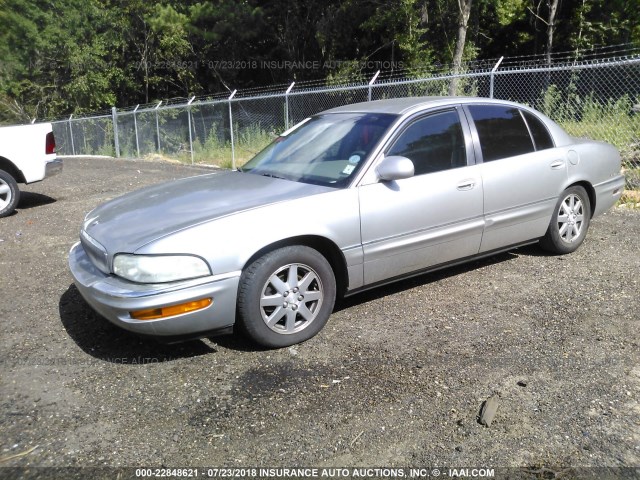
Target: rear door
x=522 y=173
x=433 y=217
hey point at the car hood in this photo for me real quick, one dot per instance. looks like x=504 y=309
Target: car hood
x=129 y=222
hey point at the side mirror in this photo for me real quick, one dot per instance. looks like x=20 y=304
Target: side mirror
x=395 y=168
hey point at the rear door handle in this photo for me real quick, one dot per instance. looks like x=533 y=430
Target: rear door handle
x=466 y=185
x=558 y=164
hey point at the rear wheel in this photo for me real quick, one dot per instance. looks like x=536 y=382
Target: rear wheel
x=286 y=296
x=569 y=223
x=9 y=194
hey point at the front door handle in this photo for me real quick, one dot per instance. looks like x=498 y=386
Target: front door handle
x=466 y=185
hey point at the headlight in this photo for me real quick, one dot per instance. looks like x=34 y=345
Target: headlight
x=159 y=268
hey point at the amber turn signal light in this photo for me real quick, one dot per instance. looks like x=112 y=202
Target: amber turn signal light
x=163 y=312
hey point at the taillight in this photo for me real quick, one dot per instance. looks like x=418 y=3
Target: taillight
x=51 y=144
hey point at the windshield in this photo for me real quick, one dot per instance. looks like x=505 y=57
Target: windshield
x=324 y=150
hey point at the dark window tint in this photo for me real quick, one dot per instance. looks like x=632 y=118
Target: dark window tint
x=502 y=131
x=539 y=132
x=433 y=143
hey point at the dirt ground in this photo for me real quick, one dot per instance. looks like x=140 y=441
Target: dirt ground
x=396 y=378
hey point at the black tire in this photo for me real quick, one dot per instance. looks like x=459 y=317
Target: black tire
x=284 y=277
x=9 y=194
x=569 y=223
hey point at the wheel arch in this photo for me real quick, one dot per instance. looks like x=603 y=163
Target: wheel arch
x=591 y=192
x=327 y=248
x=11 y=169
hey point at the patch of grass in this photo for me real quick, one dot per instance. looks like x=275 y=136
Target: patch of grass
x=215 y=151
x=610 y=120
x=630 y=199
x=107 y=149
x=621 y=132
x=632 y=177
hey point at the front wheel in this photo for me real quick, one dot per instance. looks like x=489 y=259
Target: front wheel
x=286 y=296
x=9 y=194
x=569 y=223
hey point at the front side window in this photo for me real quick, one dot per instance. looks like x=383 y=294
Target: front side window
x=502 y=131
x=433 y=143
x=325 y=150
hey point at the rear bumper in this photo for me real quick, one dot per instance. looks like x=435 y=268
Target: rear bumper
x=53 y=167
x=608 y=193
x=114 y=299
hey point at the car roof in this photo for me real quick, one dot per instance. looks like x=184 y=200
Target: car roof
x=409 y=105
x=400 y=106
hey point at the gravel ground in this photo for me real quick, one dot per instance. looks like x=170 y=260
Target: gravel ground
x=396 y=378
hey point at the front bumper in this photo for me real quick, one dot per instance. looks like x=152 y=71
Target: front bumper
x=114 y=299
x=53 y=167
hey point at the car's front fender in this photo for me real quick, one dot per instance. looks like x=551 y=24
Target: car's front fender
x=228 y=243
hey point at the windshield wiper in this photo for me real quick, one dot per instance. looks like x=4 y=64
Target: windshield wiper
x=272 y=176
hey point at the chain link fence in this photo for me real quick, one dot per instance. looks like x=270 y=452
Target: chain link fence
x=595 y=99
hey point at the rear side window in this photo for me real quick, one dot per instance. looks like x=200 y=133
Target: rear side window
x=540 y=134
x=433 y=143
x=502 y=131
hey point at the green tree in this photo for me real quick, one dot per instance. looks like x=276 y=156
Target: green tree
x=75 y=56
x=55 y=59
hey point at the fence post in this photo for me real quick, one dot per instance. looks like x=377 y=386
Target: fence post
x=158 y=125
x=493 y=72
x=73 y=148
x=373 y=80
x=135 y=127
x=114 y=119
x=189 y=121
x=286 y=106
x=233 y=150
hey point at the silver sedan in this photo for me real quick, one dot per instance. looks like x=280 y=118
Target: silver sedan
x=346 y=200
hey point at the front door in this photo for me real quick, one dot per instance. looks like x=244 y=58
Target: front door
x=432 y=218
